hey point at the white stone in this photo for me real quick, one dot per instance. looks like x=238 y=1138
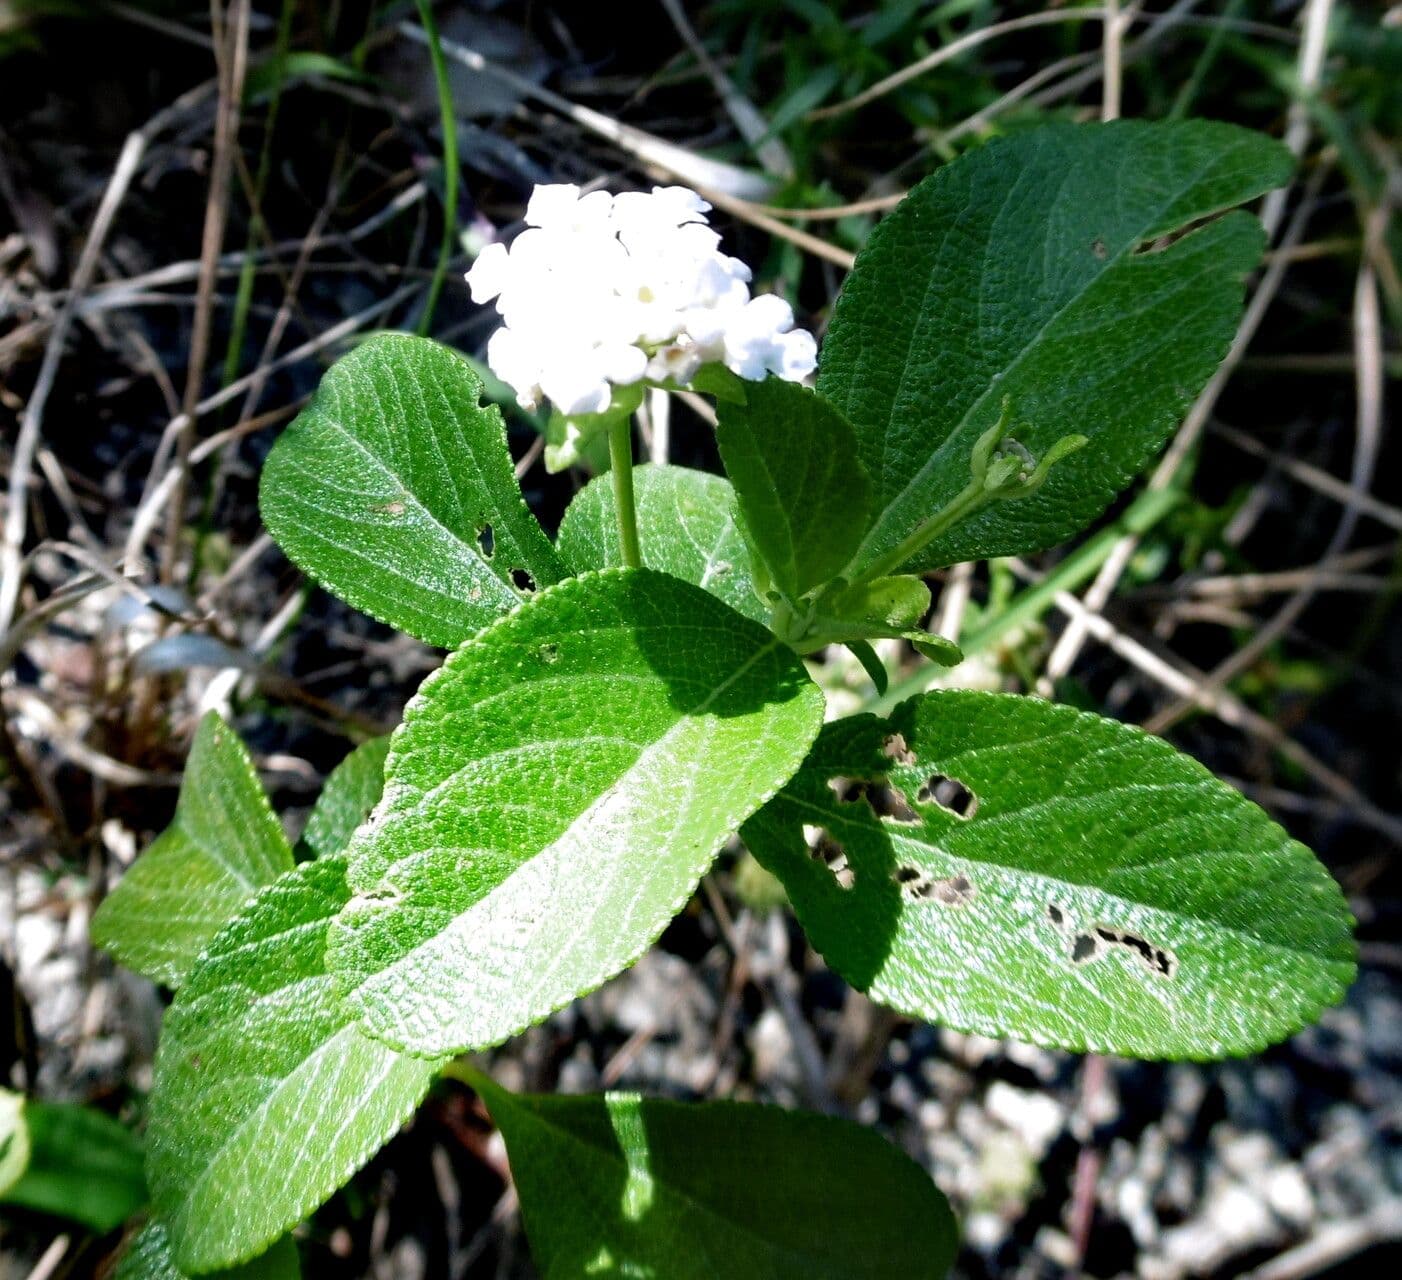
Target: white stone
x=1036 y=1118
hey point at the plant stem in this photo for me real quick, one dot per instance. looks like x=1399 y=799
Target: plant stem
x=257 y=228
x=450 y=163
x=1080 y=566
x=965 y=502
x=621 y=464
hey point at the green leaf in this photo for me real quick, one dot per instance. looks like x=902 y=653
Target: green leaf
x=394 y=489
x=884 y=607
x=686 y=524
x=556 y=791
x=803 y=495
x=148 y=1257
x=268 y=1095
x=626 y=1186
x=80 y=1164
x=351 y=790
x=1012 y=867
x=224 y=845
x=1022 y=271
x=14 y=1139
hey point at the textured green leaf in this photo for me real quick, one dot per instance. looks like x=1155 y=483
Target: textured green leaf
x=1019 y=271
x=686 y=525
x=1101 y=891
x=268 y=1095
x=803 y=495
x=148 y=1257
x=394 y=488
x=224 y=845
x=351 y=790
x=626 y=1186
x=82 y=1164
x=555 y=793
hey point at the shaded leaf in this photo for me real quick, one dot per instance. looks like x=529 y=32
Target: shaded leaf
x=804 y=497
x=625 y=1186
x=224 y=845
x=268 y=1095
x=351 y=790
x=395 y=490
x=555 y=793
x=81 y=1164
x=1020 y=273
x=1011 y=867
x=686 y=526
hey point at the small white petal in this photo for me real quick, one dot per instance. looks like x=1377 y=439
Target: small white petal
x=683 y=200
x=768 y=313
x=490 y=273
x=551 y=203
x=575 y=383
x=798 y=355
x=622 y=364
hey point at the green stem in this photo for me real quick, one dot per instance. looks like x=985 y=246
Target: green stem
x=450 y=163
x=964 y=503
x=257 y=229
x=621 y=464
x=1079 y=567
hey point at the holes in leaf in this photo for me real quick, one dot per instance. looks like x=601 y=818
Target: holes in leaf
x=1097 y=247
x=884 y=801
x=823 y=848
x=949 y=794
x=951 y=891
x=1100 y=939
x=522 y=581
x=486 y=541
x=395 y=508
x=1157 y=960
x=895 y=748
x=548 y=653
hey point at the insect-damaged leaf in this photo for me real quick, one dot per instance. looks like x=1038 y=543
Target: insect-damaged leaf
x=1012 y=867
x=555 y=793
x=625 y=1186
x=1030 y=271
x=268 y=1095
x=686 y=526
x=394 y=489
x=224 y=845
x=351 y=790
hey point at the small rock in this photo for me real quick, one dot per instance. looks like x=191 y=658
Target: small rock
x=773 y=1049
x=1289 y=1195
x=1036 y=1118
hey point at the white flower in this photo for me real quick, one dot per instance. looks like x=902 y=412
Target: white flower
x=601 y=291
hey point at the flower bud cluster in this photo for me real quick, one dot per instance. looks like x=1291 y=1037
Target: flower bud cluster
x=601 y=291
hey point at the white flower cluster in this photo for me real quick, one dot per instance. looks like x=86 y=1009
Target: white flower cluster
x=602 y=291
